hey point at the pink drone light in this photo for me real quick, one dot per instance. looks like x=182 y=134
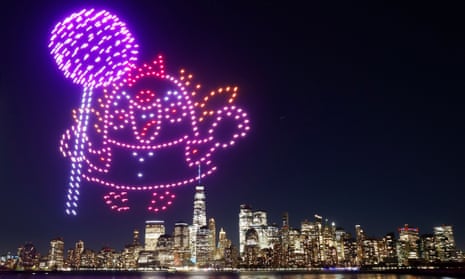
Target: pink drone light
x=143 y=112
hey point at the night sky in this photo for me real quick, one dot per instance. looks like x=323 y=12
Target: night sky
x=357 y=115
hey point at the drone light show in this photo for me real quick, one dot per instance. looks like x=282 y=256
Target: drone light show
x=142 y=119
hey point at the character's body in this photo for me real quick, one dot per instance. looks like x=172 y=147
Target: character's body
x=145 y=115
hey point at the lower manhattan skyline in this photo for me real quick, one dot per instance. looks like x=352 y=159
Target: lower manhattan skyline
x=356 y=115
x=316 y=245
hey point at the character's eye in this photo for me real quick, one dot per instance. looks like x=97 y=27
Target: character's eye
x=175 y=106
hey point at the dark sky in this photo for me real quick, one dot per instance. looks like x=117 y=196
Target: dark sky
x=357 y=115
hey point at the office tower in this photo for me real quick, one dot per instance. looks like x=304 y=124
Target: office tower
x=285 y=241
x=328 y=245
x=28 y=256
x=165 y=246
x=390 y=253
x=135 y=237
x=130 y=254
x=223 y=244
x=407 y=245
x=199 y=219
x=251 y=248
x=200 y=213
x=181 y=244
x=445 y=243
x=245 y=222
x=256 y=220
x=153 y=230
x=339 y=236
x=78 y=250
x=428 y=248
x=359 y=238
x=181 y=236
x=212 y=229
x=56 y=254
x=203 y=248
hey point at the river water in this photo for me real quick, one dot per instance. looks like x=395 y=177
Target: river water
x=256 y=275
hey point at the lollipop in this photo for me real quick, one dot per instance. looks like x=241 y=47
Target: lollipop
x=93 y=49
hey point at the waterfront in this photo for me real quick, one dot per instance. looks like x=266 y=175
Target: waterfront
x=219 y=275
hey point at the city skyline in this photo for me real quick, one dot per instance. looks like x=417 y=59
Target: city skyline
x=248 y=218
x=315 y=244
x=356 y=113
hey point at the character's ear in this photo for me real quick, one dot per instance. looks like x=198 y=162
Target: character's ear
x=155 y=68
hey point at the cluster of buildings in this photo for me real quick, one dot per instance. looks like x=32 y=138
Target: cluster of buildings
x=319 y=244
x=316 y=244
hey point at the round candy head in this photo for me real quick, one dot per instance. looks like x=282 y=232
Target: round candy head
x=93 y=48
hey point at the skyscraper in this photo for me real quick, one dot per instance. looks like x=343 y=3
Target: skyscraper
x=153 y=230
x=135 y=237
x=223 y=244
x=212 y=229
x=56 y=254
x=407 y=246
x=256 y=220
x=200 y=213
x=181 y=244
x=245 y=222
x=181 y=236
x=78 y=250
x=199 y=219
x=445 y=243
x=203 y=249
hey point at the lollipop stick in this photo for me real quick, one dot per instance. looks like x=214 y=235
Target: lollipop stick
x=77 y=158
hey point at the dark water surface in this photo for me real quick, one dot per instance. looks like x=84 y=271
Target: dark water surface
x=205 y=275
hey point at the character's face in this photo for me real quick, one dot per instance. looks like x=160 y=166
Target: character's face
x=150 y=110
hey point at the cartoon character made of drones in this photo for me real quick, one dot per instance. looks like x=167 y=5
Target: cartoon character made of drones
x=139 y=111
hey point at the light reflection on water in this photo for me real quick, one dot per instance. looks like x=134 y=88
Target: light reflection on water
x=270 y=275
x=206 y=275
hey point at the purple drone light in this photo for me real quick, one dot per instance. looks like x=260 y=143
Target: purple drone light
x=93 y=49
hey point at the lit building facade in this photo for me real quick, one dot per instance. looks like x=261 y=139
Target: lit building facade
x=181 y=250
x=428 y=248
x=153 y=230
x=130 y=254
x=445 y=243
x=56 y=254
x=212 y=230
x=257 y=220
x=203 y=247
x=407 y=245
x=165 y=247
x=199 y=219
x=223 y=244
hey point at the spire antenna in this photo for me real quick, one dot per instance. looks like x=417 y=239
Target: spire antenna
x=199 y=176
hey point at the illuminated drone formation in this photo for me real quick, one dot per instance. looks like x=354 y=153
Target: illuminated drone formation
x=140 y=112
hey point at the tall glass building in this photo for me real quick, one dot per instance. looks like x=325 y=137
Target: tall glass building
x=153 y=230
